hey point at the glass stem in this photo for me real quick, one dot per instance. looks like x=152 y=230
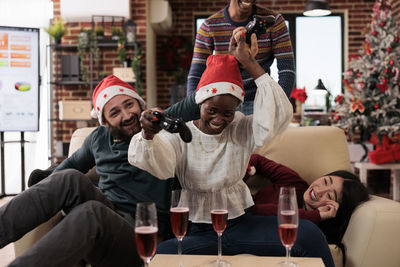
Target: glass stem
x=180 y=251
x=287 y=254
x=179 y=246
x=219 y=246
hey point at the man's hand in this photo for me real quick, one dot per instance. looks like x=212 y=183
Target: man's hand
x=329 y=210
x=149 y=128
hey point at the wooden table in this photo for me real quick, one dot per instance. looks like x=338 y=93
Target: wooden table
x=395 y=167
x=164 y=260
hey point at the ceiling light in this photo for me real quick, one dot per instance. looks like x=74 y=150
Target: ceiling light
x=316 y=8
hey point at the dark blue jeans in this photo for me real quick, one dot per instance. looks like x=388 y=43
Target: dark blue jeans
x=249 y=234
x=91 y=230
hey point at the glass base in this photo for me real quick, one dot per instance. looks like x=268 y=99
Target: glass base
x=220 y=263
x=288 y=264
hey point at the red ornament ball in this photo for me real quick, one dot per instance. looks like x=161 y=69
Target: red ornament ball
x=374 y=33
x=358 y=74
x=382 y=23
x=386 y=70
x=391 y=62
x=396 y=39
x=389 y=50
x=376 y=106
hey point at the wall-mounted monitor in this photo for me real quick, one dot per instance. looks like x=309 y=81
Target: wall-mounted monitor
x=19 y=79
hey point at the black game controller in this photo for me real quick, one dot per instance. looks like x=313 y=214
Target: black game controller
x=173 y=125
x=258 y=25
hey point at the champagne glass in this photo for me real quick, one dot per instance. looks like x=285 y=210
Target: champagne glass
x=179 y=215
x=288 y=221
x=219 y=217
x=146 y=230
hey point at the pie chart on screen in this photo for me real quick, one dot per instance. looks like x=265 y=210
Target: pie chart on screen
x=22 y=86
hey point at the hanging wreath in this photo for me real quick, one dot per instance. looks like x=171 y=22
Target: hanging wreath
x=176 y=57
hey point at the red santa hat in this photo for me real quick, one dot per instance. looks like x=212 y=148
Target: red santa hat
x=107 y=89
x=222 y=76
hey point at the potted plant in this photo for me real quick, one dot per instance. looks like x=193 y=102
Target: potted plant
x=116 y=33
x=57 y=30
x=99 y=30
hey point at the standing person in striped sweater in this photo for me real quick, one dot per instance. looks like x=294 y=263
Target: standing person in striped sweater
x=214 y=36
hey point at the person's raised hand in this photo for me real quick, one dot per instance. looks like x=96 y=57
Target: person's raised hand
x=238 y=32
x=329 y=210
x=147 y=122
x=244 y=54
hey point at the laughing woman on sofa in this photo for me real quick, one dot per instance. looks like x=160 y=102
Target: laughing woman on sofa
x=328 y=202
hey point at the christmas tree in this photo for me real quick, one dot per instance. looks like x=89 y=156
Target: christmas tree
x=371 y=101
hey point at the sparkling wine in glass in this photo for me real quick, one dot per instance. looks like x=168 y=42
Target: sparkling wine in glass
x=146 y=230
x=288 y=221
x=219 y=218
x=179 y=215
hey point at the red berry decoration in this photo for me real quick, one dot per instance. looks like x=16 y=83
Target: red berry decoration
x=376 y=106
x=374 y=33
x=382 y=23
x=386 y=70
x=391 y=62
x=389 y=50
x=396 y=39
x=358 y=74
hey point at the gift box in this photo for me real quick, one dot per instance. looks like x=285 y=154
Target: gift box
x=381 y=156
x=385 y=151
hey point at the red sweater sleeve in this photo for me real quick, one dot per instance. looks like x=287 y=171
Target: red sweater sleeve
x=266 y=199
x=277 y=173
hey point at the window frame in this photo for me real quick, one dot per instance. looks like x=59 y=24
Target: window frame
x=291 y=19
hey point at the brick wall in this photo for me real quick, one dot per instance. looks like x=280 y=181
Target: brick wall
x=359 y=14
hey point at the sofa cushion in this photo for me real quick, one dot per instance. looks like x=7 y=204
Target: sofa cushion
x=311 y=151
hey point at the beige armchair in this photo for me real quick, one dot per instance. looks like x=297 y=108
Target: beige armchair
x=373 y=235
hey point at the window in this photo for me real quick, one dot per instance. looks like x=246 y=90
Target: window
x=318 y=48
x=319 y=51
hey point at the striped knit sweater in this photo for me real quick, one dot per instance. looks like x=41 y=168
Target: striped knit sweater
x=214 y=36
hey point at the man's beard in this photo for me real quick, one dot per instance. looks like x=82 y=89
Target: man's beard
x=125 y=134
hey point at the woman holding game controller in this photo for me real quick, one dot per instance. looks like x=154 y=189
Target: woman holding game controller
x=217 y=158
x=213 y=36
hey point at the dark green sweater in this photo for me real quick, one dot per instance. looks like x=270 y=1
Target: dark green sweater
x=123 y=184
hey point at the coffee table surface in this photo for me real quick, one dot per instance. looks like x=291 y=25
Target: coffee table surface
x=165 y=260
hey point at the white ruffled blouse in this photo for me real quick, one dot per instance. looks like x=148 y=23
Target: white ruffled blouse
x=216 y=162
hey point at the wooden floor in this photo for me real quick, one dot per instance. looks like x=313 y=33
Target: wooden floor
x=6 y=253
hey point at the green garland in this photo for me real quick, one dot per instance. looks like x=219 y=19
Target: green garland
x=87 y=41
x=136 y=66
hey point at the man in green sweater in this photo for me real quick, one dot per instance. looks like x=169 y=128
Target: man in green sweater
x=98 y=224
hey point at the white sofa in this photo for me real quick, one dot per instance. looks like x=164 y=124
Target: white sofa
x=373 y=236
